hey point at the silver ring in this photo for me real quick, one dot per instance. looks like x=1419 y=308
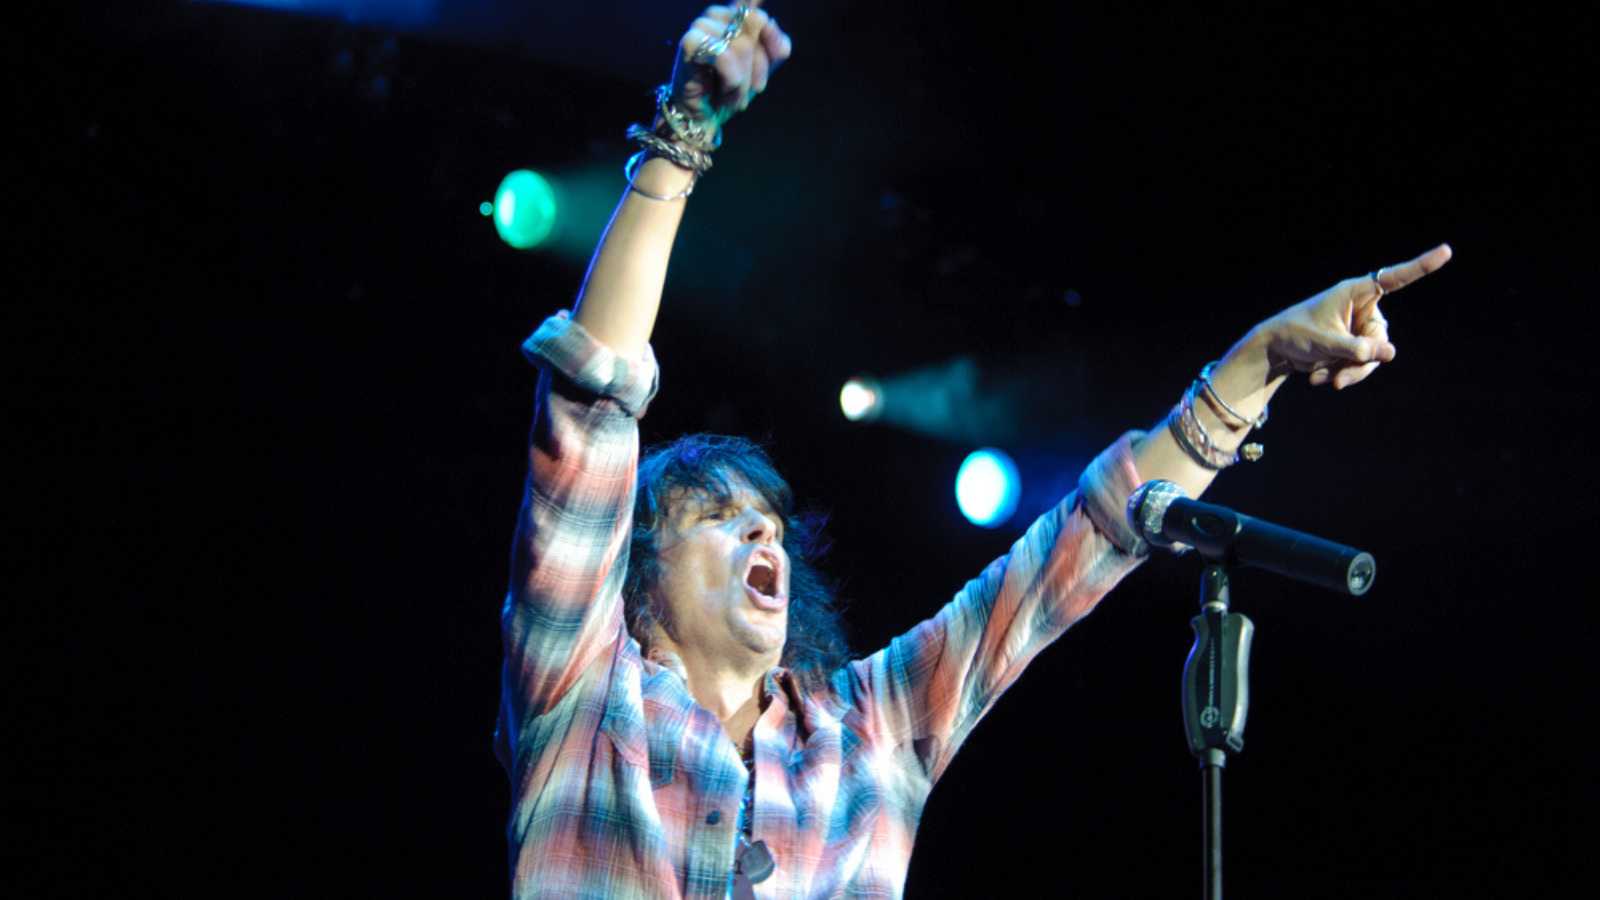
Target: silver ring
x=710 y=49
x=1377 y=279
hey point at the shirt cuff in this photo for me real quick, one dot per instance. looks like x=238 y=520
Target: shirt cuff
x=1104 y=489
x=567 y=349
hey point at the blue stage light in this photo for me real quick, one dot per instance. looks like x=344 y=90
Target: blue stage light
x=988 y=487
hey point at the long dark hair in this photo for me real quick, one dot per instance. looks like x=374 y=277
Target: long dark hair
x=709 y=464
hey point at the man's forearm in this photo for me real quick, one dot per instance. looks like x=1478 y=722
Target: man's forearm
x=622 y=291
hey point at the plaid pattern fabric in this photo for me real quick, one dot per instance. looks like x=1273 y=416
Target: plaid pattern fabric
x=623 y=787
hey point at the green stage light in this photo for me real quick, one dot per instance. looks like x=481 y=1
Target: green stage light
x=524 y=209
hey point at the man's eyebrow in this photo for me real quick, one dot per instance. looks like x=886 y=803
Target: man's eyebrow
x=689 y=500
x=694 y=500
x=758 y=500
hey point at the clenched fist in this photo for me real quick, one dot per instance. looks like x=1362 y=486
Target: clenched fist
x=715 y=77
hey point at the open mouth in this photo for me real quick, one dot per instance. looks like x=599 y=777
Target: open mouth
x=764 y=578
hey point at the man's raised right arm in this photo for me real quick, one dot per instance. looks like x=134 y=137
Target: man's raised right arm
x=563 y=606
x=622 y=291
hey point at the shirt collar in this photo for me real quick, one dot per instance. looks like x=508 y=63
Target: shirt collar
x=670 y=661
x=776 y=681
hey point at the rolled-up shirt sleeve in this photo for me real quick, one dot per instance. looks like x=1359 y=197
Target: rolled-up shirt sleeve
x=563 y=606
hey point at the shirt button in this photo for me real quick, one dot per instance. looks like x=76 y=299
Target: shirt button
x=714 y=817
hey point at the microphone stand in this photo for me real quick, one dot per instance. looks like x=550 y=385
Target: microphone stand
x=1216 y=699
x=1216 y=677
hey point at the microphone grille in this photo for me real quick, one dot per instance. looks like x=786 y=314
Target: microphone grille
x=1147 y=508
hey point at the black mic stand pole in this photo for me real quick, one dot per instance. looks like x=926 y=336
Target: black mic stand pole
x=1216 y=699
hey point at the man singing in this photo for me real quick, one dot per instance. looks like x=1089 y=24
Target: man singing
x=679 y=716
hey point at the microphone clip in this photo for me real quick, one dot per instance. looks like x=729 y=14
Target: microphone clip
x=1216 y=676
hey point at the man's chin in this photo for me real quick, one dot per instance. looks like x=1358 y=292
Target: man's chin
x=764 y=637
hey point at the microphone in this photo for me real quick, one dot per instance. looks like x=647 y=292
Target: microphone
x=1162 y=514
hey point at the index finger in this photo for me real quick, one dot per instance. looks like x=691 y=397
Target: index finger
x=1393 y=278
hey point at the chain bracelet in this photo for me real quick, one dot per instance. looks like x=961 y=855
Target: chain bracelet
x=680 y=126
x=692 y=158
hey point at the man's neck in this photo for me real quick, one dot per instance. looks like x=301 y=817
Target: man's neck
x=731 y=692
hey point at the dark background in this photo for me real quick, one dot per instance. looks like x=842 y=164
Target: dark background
x=265 y=416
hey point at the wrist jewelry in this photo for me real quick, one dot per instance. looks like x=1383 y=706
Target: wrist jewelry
x=1197 y=443
x=684 y=157
x=677 y=124
x=680 y=137
x=1192 y=436
x=632 y=166
x=1211 y=389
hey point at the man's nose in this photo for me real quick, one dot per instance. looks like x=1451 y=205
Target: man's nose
x=759 y=527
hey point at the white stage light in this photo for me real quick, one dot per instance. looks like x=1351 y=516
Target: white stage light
x=860 y=398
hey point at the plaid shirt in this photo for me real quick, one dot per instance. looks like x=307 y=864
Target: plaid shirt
x=624 y=787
